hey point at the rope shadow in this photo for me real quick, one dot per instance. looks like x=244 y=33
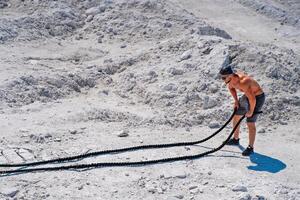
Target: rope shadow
x=205 y=147
x=264 y=163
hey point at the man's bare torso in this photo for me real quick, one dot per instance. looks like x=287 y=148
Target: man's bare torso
x=247 y=84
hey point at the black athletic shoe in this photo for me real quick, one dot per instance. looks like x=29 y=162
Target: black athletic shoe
x=248 y=151
x=233 y=141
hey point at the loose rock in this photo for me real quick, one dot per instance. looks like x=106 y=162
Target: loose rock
x=214 y=124
x=209 y=102
x=213 y=88
x=244 y=197
x=175 y=71
x=179 y=196
x=239 y=188
x=9 y=192
x=123 y=133
x=262 y=130
x=95 y=10
x=186 y=55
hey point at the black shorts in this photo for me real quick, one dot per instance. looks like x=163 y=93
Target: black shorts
x=244 y=106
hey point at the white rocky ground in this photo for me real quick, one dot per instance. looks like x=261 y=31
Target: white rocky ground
x=74 y=74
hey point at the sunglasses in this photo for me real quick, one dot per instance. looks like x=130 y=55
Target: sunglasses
x=224 y=79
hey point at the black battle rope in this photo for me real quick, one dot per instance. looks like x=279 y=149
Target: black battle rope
x=97 y=153
x=119 y=164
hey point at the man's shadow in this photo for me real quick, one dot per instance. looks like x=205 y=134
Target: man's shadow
x=264 y=163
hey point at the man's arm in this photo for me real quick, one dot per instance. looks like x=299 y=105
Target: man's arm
x=233 y=93
x=252 y=101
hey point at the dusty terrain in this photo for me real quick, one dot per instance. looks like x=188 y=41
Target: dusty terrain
x=75 y=74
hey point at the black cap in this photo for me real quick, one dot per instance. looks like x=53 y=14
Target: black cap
x=226 y=70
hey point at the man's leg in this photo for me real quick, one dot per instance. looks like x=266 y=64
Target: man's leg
x=252 y=133
x=236 y=118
